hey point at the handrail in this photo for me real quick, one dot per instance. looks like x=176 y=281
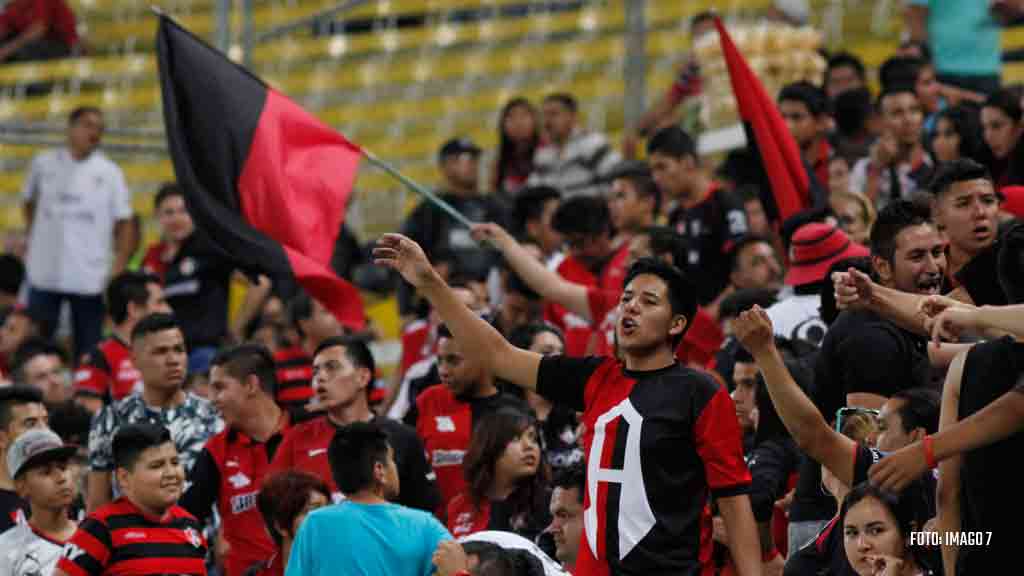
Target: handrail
x=117 y=147
x=50 y=128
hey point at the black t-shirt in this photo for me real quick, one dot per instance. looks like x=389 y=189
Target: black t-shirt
x=711 y=228
x=558 y=433
x=979 y=277
x=196 y=286
x=771 y=463
x=12 y=507
x=989 y=494
x=658 y=444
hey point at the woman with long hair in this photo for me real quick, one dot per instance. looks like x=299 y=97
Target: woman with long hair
x=518 y=137
x=1002 y=126
x=506 y=481
x=876 y=534
x=957 y=135
x=284 y=500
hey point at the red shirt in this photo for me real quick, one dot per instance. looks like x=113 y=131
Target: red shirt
x=418 y=342
x=108 y=372
x=445 y=425
x=156 y=260
x=55 y=15
x=294 y=371
x=579 y=334
x=820 y=165
x=464 y=518
x=305 y=448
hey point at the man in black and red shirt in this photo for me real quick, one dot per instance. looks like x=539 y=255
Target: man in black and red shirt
x=314 y=324
x=655 y=430
x=233 y=463
x=144 y=531
x=702 y=211
x=107 y=374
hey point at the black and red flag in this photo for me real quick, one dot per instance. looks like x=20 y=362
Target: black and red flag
x=263 y=178
x=772 y=142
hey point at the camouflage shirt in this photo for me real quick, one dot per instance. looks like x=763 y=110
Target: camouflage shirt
x=191 y=424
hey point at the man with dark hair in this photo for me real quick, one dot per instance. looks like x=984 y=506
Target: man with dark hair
x=906 y=417
x=916 y=72
x=519 y=305
x=12 y=274
x=573 y=160
x=158 y=351
x=144 y=531
x=343 y=372
x=21 y=410
x=40 y=364
x=314 y=324
x=107 y=374
x=379 y=537
x=175 y=227
x=844 y=72
x=754 y=264
x=804 y=107
x=702 y=211
x=635 y=200
x=19 y=326
x=636 y=523
x=534 y=209
x=232 y=465
x=69 y=249
x=567 y=498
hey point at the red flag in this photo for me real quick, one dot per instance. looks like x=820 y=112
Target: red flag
x=263 y=178
x=779 y=152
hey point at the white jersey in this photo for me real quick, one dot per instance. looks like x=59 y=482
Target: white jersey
x=25 y=552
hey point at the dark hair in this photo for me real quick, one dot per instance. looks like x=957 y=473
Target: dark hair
x=900 y=70
x=851 y=110
x=28 y=350
x=962 y=170
x=508 y=152
x=892 y=90
x=516 y=285
x=529 y=205
x=523 y=336
x=897 y=216
x=493 y=560
x=572 y=476
x=167 y=190
x=154 y=323
x=900 y=506
x=17 y=395
x=667 y=242
x=563 y=98
x=807 y=94
x=742 y=356
x=355 y=350
x=491 y=435
x=1010 y=264
x=701 y=17
x=300 y=308
x=743 y=242
x=922 y=47
x=128 y=287
x=131 y=440
x=249 y=359
x=71 y=422
x=12 y=274
x=967 y=125
x=284 y=495
x=672 y=141
x=845 y=60
x=745 y=299
x=585 y=215
x=921 y=409
x=644 y=185
x=1006 y=101
x=769 y=423
x=829 y=308
x=682 y=295
x=77 y=113
x=353 y=452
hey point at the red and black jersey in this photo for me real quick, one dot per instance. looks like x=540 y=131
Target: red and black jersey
x=156 y=259
x=579 y=334
x=445 y=424
x=465 y=518
x=108 y=372
x=120 y=538
x=228 y=474
x=294 y=371
x=658 y=443
x=305 y=448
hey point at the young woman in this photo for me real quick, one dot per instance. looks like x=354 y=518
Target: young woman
x=876 y=534
x=284 y=501
x=519 y=136
x=1001 y=128
x=957 y=134
x=506 y=481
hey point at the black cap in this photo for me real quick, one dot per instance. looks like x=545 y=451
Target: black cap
x=457 y=146
x=626 y=169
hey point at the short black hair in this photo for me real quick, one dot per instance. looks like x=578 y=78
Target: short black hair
x=745 y=299
x=851 y=110
x=12 y=274
x=682 y=295
x=300 y=307
x=1010 y=263
x=960 y=170
x=28 y=350
x=643 y=183
x=892 y=90
x=921 y=409
x=77 y=113
x=71 y=422
x=353 y=452
x=17 y=395
x=529 y=205
x=665 y=241
x=893 y=219
x=249 y=359
x=565 y=99
x=572 y=476
x=356 y=351
x=585 y=215
x=900 y=70
x=130 y=286
x=167 y=190
x=131 y=440
x=743 y=242
x=672 y=141
x=1006 y=101
x=807 y=94
x=154 y=323
x=522 y=337
x=845 y=60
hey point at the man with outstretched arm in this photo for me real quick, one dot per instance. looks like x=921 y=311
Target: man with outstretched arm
x=660 y=437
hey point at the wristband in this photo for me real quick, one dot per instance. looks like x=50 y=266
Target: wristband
x=929 y=451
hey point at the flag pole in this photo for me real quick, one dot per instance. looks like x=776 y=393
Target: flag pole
x=415 y=187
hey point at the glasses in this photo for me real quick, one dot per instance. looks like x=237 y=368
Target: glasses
x=846 y=412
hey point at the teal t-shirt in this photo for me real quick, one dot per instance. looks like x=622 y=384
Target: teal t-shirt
x=963 y=36
x=366 y=539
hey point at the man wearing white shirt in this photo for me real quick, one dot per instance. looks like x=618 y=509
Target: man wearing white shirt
x=78 y=211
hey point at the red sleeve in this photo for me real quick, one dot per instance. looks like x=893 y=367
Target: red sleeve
x=88 y=551
x=601 y=302
x=720 y=446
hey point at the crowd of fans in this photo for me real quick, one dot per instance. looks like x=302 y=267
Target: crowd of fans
x=626 y=367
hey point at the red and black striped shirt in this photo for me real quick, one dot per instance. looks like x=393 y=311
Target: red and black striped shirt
x=119 y=538
x=294 y=370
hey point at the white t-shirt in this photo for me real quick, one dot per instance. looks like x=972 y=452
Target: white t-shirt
x=798 y=317
x=23 y=552
x=77 y=204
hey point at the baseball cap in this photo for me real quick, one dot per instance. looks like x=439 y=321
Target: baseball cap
x=37 y=447
x=815 y=247
x=457 y=146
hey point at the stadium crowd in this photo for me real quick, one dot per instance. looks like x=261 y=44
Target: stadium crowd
x=625 y=367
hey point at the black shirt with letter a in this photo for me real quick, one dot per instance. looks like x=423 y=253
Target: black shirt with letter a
x=657 y=444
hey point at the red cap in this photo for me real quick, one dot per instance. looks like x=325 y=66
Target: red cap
x=1013 y=202
x=815 y=248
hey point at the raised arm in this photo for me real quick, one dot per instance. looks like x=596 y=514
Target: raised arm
x=855 y=289
x=536 y=275
x=476 y=336
x=953 y=320
x=800 y=416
